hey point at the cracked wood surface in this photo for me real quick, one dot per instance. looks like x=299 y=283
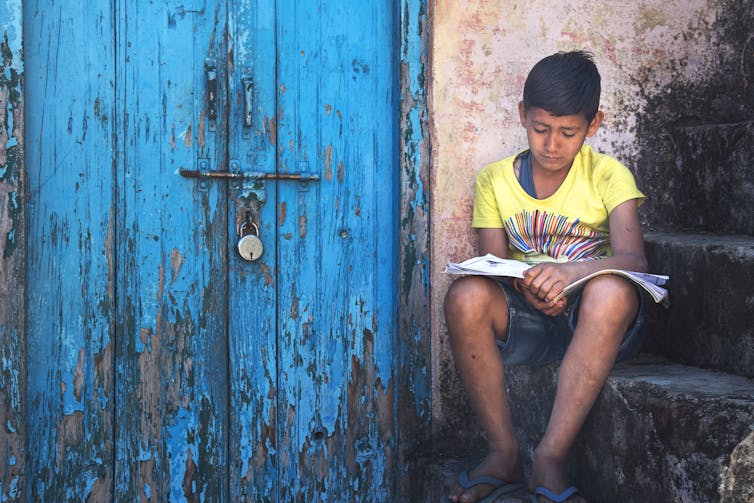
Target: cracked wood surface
x=12 y=259
x=169 y=368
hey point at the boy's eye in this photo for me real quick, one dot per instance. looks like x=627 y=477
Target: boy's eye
x=569 y=135
x=540 y=131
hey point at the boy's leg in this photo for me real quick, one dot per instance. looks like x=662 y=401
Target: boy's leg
x=608 y=307
x=476 y=314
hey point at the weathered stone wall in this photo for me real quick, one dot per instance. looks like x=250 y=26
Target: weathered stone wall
x=677 y=94
x=695 y=133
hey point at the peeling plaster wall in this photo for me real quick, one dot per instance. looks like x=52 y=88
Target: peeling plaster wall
x=665 y=65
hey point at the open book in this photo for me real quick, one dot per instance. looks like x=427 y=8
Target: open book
x=490 y=265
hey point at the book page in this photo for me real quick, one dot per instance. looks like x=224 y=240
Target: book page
x=489 y=265
x=649 y=282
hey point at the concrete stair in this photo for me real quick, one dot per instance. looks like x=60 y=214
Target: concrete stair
x=710 y=322
x=675 y=424
x=659 y=432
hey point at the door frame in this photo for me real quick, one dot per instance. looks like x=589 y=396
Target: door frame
x=414 y=334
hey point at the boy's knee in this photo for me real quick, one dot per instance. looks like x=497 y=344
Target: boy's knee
x=466 y=293
x=475 y=306
x=609 y=294
x=458 y=293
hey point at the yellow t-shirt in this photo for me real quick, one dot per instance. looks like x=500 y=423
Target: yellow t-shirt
x=572 y=224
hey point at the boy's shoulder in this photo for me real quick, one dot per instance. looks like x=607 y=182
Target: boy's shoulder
x=592 y=159
x=600 y=165
x=613 y=180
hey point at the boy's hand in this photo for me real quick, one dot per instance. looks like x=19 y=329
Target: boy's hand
x=544 y=306
x=543 y=282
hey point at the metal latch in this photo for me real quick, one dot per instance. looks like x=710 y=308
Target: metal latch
x=250 y=181
x=247 y=175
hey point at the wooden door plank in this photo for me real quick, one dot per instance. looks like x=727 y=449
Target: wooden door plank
x=69 y=77
x=253 y=456
x=172 y=351
x=12 y=256
x=414 y=347
x=337 y=92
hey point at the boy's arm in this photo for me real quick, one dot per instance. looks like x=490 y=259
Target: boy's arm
x=546 y=281
x=494 y=241
x=626 y=239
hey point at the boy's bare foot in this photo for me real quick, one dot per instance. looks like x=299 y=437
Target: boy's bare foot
x=497 y=464
x=549 y=472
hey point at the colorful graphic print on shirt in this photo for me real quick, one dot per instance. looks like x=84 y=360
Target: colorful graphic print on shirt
x=543 y=233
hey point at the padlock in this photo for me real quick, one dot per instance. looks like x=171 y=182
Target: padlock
x=250 y=247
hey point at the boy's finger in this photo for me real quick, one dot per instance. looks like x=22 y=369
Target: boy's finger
x=517 y=285
x=531 y=273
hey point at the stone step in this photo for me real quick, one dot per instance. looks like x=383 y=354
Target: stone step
x=659 y=431
x=710 y=322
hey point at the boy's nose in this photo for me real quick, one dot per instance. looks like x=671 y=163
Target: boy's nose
x=550 y=144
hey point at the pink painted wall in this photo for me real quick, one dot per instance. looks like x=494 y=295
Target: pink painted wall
x=481 y=53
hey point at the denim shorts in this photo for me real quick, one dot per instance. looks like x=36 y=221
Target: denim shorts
x=537 y=339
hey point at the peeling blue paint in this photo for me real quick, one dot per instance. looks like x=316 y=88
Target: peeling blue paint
x=90 y=479
x=10 y=27
x=414 y=411
x=9 y=381
x=14 y=491
x=144 y=454
x=12 y=142
x=70 y=403
x=304 y=382
x=180 y=441
x=12 y=221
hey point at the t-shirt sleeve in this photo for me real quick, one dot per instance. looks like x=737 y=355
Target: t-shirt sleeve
x=486 y=211
x=617 y=185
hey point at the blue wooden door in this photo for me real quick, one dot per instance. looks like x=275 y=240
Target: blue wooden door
x=169 y=367
x=312 y=399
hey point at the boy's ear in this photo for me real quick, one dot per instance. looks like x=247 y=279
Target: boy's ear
x=595 y=124
x=522 y=113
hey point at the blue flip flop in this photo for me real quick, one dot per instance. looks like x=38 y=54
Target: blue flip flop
x=555 y=498
x=500 y=486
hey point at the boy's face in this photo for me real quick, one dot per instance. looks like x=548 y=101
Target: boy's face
x=554 y=141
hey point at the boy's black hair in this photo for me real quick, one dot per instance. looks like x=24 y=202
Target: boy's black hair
x=564 y=83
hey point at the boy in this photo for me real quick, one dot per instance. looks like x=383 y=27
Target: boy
x=571 y=212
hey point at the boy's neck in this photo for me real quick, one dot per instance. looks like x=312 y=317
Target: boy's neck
x=547 y=182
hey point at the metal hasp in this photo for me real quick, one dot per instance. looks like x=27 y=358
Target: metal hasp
x=211 y=71
x=247 y=175
x=248 y=96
